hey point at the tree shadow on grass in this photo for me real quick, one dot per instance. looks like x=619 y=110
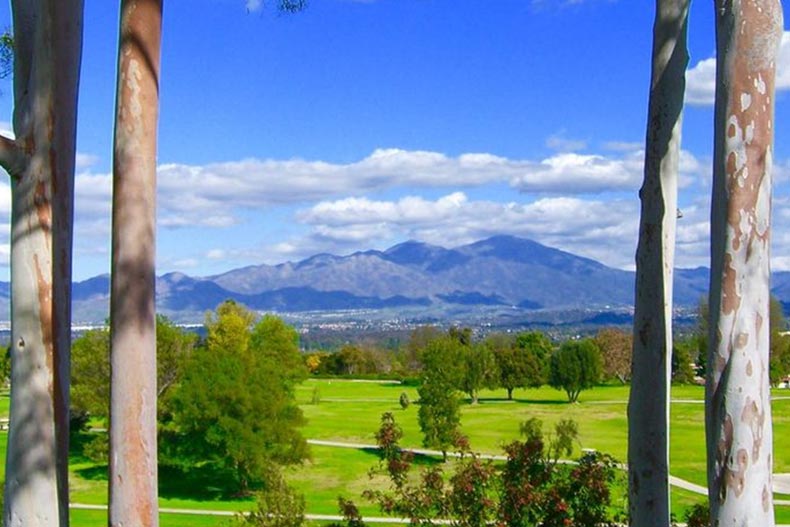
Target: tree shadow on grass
x=550 y=402
x=199 y=483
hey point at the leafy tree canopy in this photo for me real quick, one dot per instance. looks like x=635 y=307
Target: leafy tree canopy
x=576 y=366
x=234 y=407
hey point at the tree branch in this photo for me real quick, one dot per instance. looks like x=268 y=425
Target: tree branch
x=12 y=158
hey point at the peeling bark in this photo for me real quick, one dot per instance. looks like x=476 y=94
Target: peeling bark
x=648 y=406
x=40 y=161
x=133 y=448
x=738 y=410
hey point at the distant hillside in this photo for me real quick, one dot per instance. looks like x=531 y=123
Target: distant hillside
x=514 y=273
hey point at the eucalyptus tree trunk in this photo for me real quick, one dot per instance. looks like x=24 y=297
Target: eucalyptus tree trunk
x=738 y=408
x=133 y=449
x=40 y=161
x=648 y=406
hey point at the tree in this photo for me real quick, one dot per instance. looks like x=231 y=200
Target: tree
x=522 y=362
x=234 y=407
x=703 y=329
x=439 y=414
x=90 y=373
x=173 y=348
x=616 y=347
x=418 y=341
x=576 y=366
x=480 y=370
x=47 y=54
x=738 y=406
x=276 y=342
x=648 y=404
x=90 y=387
x=682 y=368
x=133 y=391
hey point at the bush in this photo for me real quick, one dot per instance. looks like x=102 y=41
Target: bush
x=530 y=488
x=698 y=515
x=277 y=505
x=404 y=400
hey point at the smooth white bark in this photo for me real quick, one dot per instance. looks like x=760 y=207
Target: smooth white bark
x=48 y=46
x=738 y=410
x=133 y=448
x=648 y=406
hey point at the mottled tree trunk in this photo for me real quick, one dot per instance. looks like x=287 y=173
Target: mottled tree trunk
x=738 y=410
x=133 y=449
x=648 y=407
x=40 y=161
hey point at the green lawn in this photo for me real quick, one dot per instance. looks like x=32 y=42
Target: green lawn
x=350 y=411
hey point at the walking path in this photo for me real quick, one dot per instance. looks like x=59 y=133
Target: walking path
x=781 y=481
x=781 y=484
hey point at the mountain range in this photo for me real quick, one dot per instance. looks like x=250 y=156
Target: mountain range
x=506 y=271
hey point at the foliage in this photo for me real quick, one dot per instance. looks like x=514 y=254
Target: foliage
x=523 y=362
x=5 y=366
x=616 y=349
x=6 y=54
x=352 y=359
x=90 y=366
x=439 y=414
x=576 y=366
x=698 y=515
x=403 y=400
x=682 y=368
x=702 y=329
x=530 y=489
x=779 y=362
x=90 y=373
x=277 y=343
x=277 y=505
x=418 y=341
x=235 y=407
x=479 y=370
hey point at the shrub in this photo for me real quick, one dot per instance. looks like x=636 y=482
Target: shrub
x=698 y=515
x=404 y=400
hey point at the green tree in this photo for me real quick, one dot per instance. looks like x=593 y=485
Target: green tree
x=90 y=373
x=682 y=369
x=576 y=366
x=522 y=362
x=779 y=363
x=278 y=343
x=90 y=366
x=234 y=407
x=173 y=348
x=702 y=329
x=439 y=414
x=479 y=370
x=418 y=341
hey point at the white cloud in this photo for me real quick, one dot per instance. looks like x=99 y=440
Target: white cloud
x=84 y=161
x=254 y=5
x=209 y=195
x=593 y=228
x=561 y=143
x=701 y=79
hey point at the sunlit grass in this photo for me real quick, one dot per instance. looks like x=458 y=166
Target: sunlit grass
x=350 y=412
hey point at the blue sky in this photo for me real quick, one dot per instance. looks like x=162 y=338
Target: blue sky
x=359 y=124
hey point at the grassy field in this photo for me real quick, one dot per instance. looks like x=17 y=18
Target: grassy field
x=349 y=411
